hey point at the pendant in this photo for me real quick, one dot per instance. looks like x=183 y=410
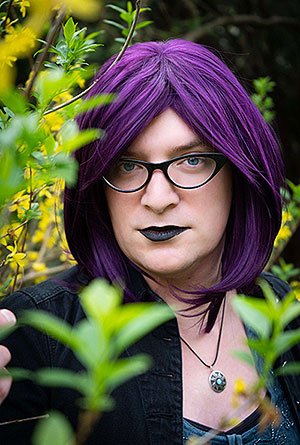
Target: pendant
x=217 y=381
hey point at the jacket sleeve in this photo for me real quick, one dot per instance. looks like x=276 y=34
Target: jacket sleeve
x=30 y=349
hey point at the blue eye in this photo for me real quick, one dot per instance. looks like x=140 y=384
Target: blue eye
x=127 y=166
x=193 y=161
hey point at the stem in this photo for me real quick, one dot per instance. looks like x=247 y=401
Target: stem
x=86 y=421
x=25 y=231
x=121 y=53
x=21 y=225
x=42 y=56
x=7 y=14
x=24 y=420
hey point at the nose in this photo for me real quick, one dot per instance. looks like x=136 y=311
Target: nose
x=160 y=194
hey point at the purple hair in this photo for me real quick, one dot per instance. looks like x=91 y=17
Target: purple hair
x=194 y=82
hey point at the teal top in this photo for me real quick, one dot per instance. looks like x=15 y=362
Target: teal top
x=285 y=434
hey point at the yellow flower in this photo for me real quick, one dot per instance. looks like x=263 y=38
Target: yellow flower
x=15 y=257
x=53 y=122
x=239 y=387
x=21 y=203
x=23 y=4
x=62 y=97
x=32 y=255
x=286 y=216
x=39 y=266
x=9 y=24
x=283 y=234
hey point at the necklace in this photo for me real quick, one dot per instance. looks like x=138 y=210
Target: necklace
x=217 y=379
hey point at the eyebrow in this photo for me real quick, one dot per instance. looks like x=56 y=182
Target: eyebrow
x=178 y=149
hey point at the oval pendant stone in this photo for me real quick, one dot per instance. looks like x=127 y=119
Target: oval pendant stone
x=217 y=381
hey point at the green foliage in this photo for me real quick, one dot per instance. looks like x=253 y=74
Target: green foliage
x=127 y=16
x=98 y=341
x=263 y=87
x=268 y=318
x=73 y=48
x=285 y=271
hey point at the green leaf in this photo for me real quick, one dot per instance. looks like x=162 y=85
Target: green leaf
x=288 y=369
x=19 y=374
x=139 y=318
x=269 y=295
x=244 y=356
x=6 y=331
x=116 y=8
x=286 y=340
x=125 y=369
x=15 y=101
x=99 y=298
x=291 y=312
x=143 y=24
x=117 y=25
x=63 y=377
x=129 y=6
x=92 y=348
x=50 y=325
x=69 y=30
x=53 y=430
x=260 y=345
x=255 y=314
x=94 y=102
x=81 y=139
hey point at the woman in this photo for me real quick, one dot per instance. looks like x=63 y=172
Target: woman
x=179 y=200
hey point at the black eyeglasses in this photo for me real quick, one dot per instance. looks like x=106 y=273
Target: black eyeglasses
x=186 y=172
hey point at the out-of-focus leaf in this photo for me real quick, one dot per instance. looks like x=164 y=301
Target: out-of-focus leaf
x=286 y=340
x=148 y=316
x=63 y=377
x=51 y=325
x=53 y=430
x=245 y=357
x=124 y=369
x=254 y=313
x=288 y=369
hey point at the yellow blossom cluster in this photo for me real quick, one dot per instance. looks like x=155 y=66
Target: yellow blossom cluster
x=23 y=4
x=285 y=232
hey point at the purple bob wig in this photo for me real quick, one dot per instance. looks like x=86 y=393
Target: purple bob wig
x=197 y=85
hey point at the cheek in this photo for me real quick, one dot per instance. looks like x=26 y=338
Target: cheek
x=120 y=207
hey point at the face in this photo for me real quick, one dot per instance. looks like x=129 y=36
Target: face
x=198 y=217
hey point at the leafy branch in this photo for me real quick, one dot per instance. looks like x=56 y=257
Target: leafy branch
x=123 y=49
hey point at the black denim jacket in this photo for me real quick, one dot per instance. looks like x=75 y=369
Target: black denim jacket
x=148 y=408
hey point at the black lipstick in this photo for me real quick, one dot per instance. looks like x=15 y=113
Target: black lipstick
x=164 y=233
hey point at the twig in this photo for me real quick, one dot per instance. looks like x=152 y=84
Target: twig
x=24 y=420
x=7 y=14
x=25 y=231
x=239 y=19
x=43 y=248
x=41 y=273
x=21 y=225
x=42 y=56
x=125 y=46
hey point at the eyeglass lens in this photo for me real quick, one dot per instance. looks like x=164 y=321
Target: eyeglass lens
x=188 y=172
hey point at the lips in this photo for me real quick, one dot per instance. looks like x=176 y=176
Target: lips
x=154 y=233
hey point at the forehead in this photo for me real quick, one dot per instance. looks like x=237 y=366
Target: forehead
x=165 y=137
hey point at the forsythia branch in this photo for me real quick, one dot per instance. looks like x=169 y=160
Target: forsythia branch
x=125 y=46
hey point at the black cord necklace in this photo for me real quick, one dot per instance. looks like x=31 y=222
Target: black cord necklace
x=216 y=379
